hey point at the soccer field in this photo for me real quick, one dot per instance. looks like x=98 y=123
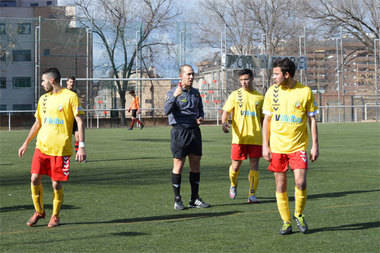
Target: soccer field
x=121 y=200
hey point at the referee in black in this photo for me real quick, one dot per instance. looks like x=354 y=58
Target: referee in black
x=185 y=113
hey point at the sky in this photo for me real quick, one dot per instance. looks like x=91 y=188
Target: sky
x=166 y=66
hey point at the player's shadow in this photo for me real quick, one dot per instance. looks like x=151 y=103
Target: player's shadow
x=176 y=217
x=148 y=140
x=243 y=202
x=128 y=234
x=31 y=207
x=335 y=194
x=124 y=159
x=354 y=226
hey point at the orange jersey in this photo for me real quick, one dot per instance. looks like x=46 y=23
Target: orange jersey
x=135 y=104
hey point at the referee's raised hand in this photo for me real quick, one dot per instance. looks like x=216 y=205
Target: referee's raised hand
x=178 y=91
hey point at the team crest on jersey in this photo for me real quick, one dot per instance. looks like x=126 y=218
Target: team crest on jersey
x=60 y=108
x=298 y=105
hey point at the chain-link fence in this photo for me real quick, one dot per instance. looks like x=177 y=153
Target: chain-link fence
x=30 y=45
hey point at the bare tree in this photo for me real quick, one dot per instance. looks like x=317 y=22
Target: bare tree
x=253 y=26
x=360 y=19
x=124 y=28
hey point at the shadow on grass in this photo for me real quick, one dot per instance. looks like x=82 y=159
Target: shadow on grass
x=357 y=226
x=148 y=140
x=67 y=238
x=336 y=194
x=31 y=207
x=124 y=159
x=158 y=218
x=128 y=234
x=158 y=140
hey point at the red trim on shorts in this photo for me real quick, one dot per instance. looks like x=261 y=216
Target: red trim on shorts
x=240 y=152
x=56 y=167
x=281 y=162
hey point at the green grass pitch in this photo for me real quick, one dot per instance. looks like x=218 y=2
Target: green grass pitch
x=121 y=200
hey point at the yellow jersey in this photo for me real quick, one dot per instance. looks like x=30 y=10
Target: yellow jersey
x=290 y=109
x=56 y=112
x=247 y=115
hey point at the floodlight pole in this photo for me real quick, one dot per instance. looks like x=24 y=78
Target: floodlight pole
x=37 y=37
x=88 y=33
x=376 y=85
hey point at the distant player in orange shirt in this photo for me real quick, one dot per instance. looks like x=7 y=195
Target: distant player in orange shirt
x=135 y=107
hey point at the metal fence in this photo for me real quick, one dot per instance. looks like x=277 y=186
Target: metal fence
x=110 y=118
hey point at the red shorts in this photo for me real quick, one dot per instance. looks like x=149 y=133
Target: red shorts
x=241 y=151
x=56 y=167
x=281 y=162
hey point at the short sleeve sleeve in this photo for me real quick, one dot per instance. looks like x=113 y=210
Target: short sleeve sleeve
x=76 y=106
x=312 y=106
x=267 y=105
x=230 y=103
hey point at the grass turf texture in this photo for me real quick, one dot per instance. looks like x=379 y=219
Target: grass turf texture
x=121 y=200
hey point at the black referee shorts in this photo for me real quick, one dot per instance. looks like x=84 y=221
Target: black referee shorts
x=185 y=141
x=134 y=113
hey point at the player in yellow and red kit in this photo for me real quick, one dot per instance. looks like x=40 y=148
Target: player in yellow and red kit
x=55 y=115
x=245 y=105
x=288 y=107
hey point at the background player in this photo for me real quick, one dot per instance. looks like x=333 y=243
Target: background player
x=288 y=106
x=245 y=104
x=135 y=107
x=56 y=112
x=70 y=84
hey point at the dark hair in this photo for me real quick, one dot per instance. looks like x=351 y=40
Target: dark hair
x=54 y=73
x=286 y=65
x=184 y=65
x=246 y=72
x=131 y=92
x=71 y=78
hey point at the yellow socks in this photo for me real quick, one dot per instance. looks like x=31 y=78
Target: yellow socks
x=253 y=178
x=300 y=197
x=234 y=176
x=57 y=201
x=37 y=194
x=283 y=206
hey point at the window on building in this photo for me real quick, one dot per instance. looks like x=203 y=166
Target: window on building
x=46 y=52
x=34 y=5
x=8 y=3
x=3 y=56
x=3 y=83
x=22 y=82
x=2 y=29
x=22 y=107
x=49 y=3
x=22 y=55
x=24 y=28
x=3 y=107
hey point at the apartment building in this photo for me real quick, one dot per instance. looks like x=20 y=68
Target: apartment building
x=36 y=35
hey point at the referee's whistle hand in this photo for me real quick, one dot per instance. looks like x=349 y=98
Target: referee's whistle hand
x=199 y=120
